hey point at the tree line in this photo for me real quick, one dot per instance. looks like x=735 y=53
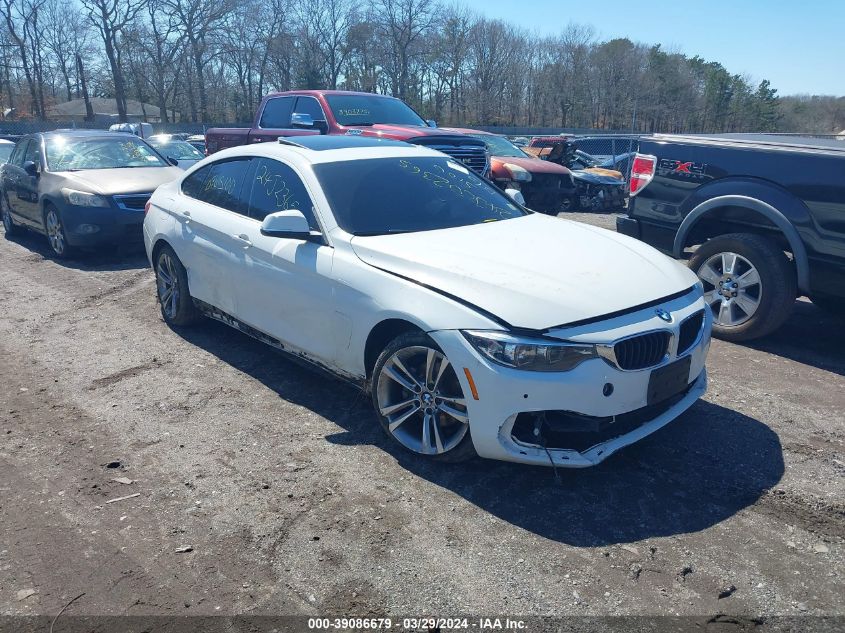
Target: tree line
x=213 y=60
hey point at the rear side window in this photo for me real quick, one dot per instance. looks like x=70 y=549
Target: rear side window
x=277 y=187
x=193 y=184
x=276 y=113
x=220 y=184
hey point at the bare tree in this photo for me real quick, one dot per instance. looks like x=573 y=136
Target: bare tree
x=404 y=23
x=199 y=21
x=21 y=17
x=111 y=18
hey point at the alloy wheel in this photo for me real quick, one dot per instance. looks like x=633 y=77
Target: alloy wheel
x=732 y=288
x=167 y=282
x=419 y=394
x=7 y=216
x=55 y=233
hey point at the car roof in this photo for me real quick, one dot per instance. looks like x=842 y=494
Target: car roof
x=72 y=133
x=320 y=143
x=326 y=93
x=314 y=149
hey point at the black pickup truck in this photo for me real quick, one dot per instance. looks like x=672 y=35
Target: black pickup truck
x=761 y=218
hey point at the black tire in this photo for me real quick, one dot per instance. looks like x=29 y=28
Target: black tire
x=56 y=236
x=775 y=292
x=174 y=296
x=447 y=429
x=9 y=225
x=833 y=305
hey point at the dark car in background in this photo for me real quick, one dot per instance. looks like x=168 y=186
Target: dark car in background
x=761 y=218
x=81 y=188
x=185 y=154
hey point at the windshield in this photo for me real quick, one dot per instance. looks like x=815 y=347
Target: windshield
x=65 y=154
x=500 y=146
x=6 y=151
x=403 y=195
x=180 y=150
x=369 y=110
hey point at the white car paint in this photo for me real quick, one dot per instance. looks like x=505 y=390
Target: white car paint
x=322 y=301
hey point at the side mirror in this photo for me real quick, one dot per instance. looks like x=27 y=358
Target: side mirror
x=172 y=161
x=298 y=119
x=515 y=195
x=431 y=123
x=31 y=168
x=290 y=224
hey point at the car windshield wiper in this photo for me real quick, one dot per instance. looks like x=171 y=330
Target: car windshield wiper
x=366 y=124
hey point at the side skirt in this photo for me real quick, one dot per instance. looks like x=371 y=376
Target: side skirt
x=298 y=357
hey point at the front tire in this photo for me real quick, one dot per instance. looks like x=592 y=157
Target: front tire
x=749 y=283
x=174 y=298
x=9 y=225
x=419 y=400
x=56 y=235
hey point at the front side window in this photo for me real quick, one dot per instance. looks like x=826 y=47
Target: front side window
x=124 y=151
x=371 y=109
x=309 y=105
x=277 y=187
x=33 y=152
x=219 y=184
x=403 y=195
x=276 y=113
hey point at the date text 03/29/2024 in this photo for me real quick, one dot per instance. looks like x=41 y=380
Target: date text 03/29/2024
x=417 y=624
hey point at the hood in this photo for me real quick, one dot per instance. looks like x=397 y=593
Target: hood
x=533 y=272
x=406 y=132
x=528 y=163
x=120 y=181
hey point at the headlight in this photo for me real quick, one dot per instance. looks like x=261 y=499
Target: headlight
x=531 y=354
x=83 y=199
x=520 y=174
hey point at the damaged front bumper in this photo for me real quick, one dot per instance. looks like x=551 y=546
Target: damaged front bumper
x=580 y=417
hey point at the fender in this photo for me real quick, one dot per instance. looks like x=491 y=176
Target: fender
x=796 y=244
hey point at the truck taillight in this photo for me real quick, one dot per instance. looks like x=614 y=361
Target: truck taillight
x=642 y=171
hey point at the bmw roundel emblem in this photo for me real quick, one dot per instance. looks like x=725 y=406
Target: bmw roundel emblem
x=663 y=315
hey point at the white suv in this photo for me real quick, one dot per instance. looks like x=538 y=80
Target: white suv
x=477 y=325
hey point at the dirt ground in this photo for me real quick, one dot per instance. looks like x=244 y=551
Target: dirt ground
x=292 y=501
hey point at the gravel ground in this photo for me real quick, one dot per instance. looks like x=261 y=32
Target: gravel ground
x=292 y=501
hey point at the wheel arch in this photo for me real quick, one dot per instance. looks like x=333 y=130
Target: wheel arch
x=380 y=335
x=772 y=216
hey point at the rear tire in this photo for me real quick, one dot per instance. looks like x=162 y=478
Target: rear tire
x=174 y=297
x=419 y=400
x=9 y=225
x=749 y=283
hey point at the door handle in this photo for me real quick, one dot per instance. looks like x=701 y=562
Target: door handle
x=187 y=216
x=243 y=238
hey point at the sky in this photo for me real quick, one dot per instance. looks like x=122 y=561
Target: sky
x=799 y=46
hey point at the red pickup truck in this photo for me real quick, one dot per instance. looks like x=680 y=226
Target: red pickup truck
x=300 y=112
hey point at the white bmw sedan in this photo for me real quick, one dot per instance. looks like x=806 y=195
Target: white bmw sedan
x=476 y=325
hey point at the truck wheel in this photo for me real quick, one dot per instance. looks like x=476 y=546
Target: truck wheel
x=749 y=283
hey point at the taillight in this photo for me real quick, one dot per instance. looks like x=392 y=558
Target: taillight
x=642 y=171
x=147 y=207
